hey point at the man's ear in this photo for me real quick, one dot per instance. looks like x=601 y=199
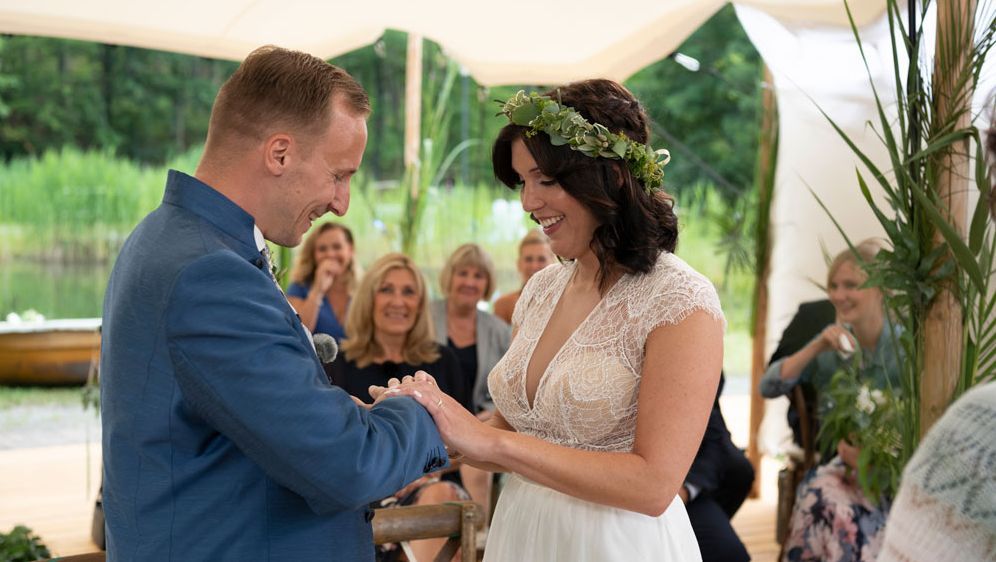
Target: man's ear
x=277 y=153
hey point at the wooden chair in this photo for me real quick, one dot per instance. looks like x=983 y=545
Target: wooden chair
x=457 y=520
x=796 y=467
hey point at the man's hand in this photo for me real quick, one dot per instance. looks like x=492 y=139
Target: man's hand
x=361 y=403
x=393 y=386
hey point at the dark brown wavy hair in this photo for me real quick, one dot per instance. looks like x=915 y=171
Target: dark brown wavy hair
x=634 y=225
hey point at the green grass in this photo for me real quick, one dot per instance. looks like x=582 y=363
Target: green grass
x=14 y=396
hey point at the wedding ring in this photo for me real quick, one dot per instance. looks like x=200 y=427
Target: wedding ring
x=439 y=403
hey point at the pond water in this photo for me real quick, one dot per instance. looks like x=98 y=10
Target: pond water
x=55 y=290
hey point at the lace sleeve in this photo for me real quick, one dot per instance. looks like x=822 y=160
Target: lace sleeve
x=679 y=291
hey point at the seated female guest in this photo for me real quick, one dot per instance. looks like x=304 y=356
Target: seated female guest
x=534 y=255
x=323 y=279
x=478 y=338
x=832 y=520
x=390 y=336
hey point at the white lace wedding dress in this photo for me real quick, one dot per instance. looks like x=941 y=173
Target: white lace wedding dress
x=587 y=399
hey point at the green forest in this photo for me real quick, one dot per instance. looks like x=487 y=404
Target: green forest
x=87 y=131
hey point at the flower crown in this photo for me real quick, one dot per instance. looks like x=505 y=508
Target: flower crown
x=565 y=125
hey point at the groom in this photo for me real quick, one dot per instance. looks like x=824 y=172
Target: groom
x=222 y=439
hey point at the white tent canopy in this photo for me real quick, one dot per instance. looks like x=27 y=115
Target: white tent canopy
x=507 y=42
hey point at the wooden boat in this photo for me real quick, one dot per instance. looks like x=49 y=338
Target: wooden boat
x=48 y=352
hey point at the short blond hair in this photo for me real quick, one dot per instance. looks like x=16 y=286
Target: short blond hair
x=468 y=255
x=360 y=345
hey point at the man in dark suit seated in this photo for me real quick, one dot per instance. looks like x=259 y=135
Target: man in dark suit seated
x=807 y=323
x=222 y=437
x=716 y=486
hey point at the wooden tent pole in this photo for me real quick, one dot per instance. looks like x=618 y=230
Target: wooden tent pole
x=766 y=158
x=413 y=108
x=943 y=326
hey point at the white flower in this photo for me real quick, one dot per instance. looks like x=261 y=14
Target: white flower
x=865 y=403
x=32 y=315
x=878 y=397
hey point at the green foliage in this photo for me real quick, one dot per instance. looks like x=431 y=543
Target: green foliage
x=73 y=205
x=708 y=120
x=868 y=419
x=916 y=268
x=564 y=125
x=143 y=104
x=21 y=545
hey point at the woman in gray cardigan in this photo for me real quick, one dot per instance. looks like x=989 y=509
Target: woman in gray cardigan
x=478 y=338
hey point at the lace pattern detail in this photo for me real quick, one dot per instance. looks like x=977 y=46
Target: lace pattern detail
x=587 y=397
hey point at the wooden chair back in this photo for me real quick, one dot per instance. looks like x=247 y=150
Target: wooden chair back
x=458 y=521
x=796 y=469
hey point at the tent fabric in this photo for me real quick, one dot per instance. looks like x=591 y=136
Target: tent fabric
x=817 y=68
x=510 y=42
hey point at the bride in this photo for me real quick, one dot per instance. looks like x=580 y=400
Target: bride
x=604 y=394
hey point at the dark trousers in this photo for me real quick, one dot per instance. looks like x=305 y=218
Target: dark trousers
x=710 y=514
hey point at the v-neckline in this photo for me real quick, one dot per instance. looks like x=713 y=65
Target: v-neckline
x=531 y=406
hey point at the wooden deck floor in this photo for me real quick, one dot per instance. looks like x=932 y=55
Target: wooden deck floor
x=49 y=490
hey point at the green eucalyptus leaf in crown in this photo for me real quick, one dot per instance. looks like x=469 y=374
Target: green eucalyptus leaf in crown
x=564 y=125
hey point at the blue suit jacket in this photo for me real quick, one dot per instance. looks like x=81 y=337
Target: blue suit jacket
x=222 y=438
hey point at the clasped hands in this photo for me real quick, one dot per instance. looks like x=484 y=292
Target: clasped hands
x=462 y=432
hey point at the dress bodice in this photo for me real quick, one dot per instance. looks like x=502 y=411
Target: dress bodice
x=587 y=397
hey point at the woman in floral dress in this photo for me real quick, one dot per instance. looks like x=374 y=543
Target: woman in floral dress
x=832 y=520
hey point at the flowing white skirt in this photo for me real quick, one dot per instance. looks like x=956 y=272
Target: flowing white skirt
x=533 y=523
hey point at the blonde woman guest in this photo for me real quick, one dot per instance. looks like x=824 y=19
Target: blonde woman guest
x=832 y=520
x=391 y=336
x=534 y=255
x=323 y=279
